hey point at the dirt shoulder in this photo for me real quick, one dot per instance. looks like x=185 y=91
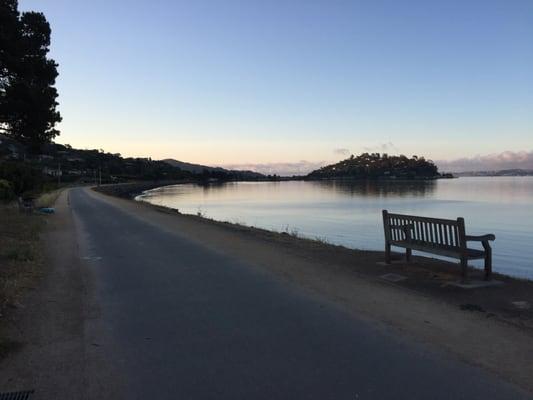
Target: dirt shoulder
x=482 y=326
x=56 y=322
x=21 y=261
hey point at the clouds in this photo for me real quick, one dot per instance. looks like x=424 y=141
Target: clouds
x=283 y=169
x=387 y=147
x=341 y=151
x=491 y=162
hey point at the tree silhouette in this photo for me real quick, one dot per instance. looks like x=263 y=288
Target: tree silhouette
x=27 y=77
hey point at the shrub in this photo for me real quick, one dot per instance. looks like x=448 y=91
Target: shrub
x=6 y=191
x=24 y=176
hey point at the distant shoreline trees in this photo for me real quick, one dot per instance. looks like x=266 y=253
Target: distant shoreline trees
x=28 y=98
x=379 y=166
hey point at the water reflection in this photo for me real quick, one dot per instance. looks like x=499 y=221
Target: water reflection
x=287 y=189
x=378 y=188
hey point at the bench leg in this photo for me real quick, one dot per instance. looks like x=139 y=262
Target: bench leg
x=408 y=253
x=387 y=253
x=488 y=264
x=464 y=268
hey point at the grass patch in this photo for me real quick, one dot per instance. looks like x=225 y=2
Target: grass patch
x=21 y=258
x=47 y=199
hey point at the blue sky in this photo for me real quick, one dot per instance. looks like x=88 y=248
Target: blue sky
x=246 y=82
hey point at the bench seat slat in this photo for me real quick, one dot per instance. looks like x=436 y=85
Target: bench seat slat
x=455 y=252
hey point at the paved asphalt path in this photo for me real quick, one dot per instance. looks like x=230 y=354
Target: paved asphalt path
x=188 y=323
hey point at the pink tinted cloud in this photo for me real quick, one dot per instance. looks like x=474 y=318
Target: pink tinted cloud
x=491 y=162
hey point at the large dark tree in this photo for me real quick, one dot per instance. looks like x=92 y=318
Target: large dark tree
x=27 y=93
x=9 y=30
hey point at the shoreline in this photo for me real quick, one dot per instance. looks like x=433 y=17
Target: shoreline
x=132 y=191
x=424 y=305
x=397 y=257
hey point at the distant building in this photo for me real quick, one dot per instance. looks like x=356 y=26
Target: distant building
x=52 y=171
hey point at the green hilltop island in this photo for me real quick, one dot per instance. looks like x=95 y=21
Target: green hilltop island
x=376 y=166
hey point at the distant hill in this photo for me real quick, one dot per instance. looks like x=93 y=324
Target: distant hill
x=198 y=169
x=503 y=172
x=25 y=172
x=22 y=171
x=378 y=166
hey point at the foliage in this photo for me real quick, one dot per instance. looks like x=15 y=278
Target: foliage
x=27 y=77
x=23 y=177
x=379 y=166
x=6 y=192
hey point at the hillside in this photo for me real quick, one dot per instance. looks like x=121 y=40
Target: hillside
x=199 y=169
x=22 y=171
x=503 y=172
x=378 y=166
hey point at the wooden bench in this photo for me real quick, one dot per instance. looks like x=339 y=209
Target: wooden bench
x=444 y=237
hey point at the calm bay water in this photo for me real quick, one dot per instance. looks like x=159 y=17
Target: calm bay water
x=349 y=213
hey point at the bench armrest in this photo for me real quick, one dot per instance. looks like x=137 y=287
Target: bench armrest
x=482 y=238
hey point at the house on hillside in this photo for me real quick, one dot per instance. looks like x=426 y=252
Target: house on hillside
x=55 y=172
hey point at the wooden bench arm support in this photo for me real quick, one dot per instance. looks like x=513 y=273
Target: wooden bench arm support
x=482 y=238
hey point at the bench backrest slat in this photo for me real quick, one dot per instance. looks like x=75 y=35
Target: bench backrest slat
x=433 y=231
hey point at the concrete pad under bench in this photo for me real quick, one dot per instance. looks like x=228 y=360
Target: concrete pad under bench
x=476 y=284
